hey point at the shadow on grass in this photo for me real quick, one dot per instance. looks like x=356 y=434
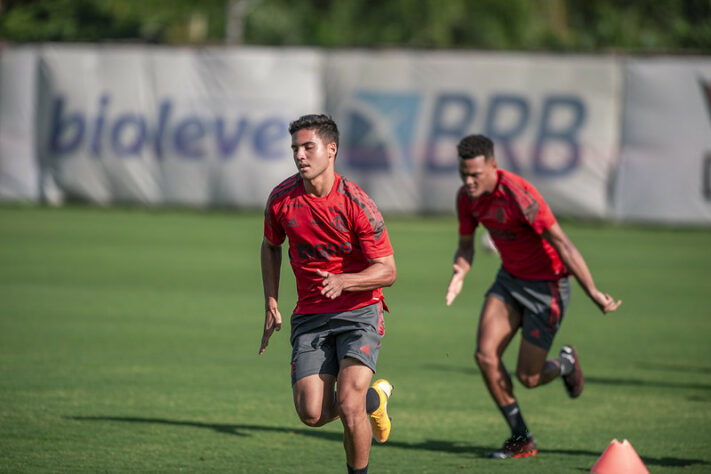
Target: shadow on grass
x=429 y=445
x=673 y=367
x=593 y=380
x=645 y=383
x=245 y=430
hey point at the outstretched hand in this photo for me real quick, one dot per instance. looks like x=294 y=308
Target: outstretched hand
x=272 y=322
x=456 y=283
x=605 y=302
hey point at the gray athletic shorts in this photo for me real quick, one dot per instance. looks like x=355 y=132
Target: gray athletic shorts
x=541 y=304
x=319 y=341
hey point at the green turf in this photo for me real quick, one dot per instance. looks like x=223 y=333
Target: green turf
x=129 y=338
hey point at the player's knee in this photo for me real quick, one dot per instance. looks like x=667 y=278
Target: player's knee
x=311 y=418
x=350 y=408
x=528 y=380
x=485 y=360
x=351 y=411
x=312 y=421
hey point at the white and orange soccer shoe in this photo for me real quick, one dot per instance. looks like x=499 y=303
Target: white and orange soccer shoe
x=379 y=419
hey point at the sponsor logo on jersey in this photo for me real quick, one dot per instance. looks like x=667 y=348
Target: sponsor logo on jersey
x=328 y=251
x=501 y=234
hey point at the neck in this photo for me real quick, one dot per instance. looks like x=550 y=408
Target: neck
x=495 y=183
x=321 y=185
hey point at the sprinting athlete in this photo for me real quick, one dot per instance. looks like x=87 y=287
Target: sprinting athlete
x=341 y=256
x=531 y=290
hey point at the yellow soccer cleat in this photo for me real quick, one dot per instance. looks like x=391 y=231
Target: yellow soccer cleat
x=379 y=419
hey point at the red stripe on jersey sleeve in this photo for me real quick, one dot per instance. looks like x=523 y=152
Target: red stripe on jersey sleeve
x=532 y=205
x=273 y=231
x=368 y=222
x=353 y=192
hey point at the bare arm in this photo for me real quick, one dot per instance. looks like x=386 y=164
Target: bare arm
x=271 y=269
x=577 y=266
x=463 y=258
x=380 y=273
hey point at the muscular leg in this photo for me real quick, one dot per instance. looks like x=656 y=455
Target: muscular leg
x=353 y=382
x=533 y=369
x=314 y=399
x=498 y=324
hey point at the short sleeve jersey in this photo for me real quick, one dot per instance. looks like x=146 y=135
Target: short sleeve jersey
x=336 y=233
x=515 y=215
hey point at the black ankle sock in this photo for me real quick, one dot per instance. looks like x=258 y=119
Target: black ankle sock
x=363 y=470
x=372 y=400
x=513 y=417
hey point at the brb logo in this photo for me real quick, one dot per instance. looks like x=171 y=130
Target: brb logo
x=381 y=130
x=194 y=136
x=323 y=251
x=382 y=127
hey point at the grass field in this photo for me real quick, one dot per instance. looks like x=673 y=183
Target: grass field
x=128 y=342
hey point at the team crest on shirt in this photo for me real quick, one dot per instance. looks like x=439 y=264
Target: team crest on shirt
x=497 y=214
x=339 y=223
x=500 y=215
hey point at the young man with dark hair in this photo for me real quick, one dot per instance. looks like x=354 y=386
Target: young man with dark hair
x=531 y=290
x=341 y=256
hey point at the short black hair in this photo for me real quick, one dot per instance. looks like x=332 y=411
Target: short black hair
x=472 y=146
x=324 y=125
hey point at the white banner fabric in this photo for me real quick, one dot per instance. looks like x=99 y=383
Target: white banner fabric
x=19 y=169
x=196 y=127
x=554 y=120
x=665 y=172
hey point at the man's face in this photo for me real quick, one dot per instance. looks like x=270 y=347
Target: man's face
x=311 y=155
x=478 y=175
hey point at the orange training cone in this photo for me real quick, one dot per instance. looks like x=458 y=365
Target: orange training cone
x=619 y=458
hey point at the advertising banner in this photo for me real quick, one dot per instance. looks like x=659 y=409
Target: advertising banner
x=554 y=120
x=195 y=127
x=665 y=172
x=19 y=169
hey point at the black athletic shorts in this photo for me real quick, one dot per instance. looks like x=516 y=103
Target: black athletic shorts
x=319 y=341
x=541 y=304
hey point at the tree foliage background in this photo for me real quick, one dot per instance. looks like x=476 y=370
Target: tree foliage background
x=527 y=25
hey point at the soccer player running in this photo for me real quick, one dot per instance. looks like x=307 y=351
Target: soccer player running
x=341 y=256
x=532 y=287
